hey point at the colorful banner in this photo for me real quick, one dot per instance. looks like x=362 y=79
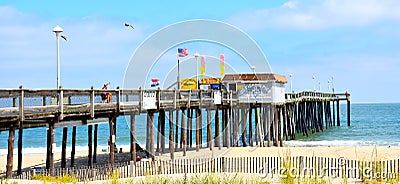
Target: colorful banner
x=222 y=64
x=189 y=83
x=202 y=66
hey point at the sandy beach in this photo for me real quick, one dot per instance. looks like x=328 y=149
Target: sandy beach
x=360 y=153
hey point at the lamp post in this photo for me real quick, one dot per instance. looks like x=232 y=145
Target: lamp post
x=253 y=68
x=196 y=55
x=329 y=85
x=319 y=85
x=333 y=89
x=291 y=83
x=313 y=79
x=58 y=30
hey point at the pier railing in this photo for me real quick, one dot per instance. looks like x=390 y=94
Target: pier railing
x=24 y=105
x=299 y=167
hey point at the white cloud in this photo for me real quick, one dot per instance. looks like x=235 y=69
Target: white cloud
x=321 y=14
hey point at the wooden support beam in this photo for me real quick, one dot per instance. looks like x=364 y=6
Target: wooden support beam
x=133 y=138
x=338 y=113
x=348 y=112
x=227 y=128
x=217 y=138
x=176 y=129
x=269 y=122
x=243 y=124
x=96 y=127
x=209 y=130
x=64 y=147
x=198 y=114
x=50 y=143
x=20 y=133
x=183 y=131
x=223 y=131
x=162 y=114
x=281 y=126
x=111 y=122
x=158 y=132
x=251 y=126
x=190 y=128
x=9 y=166
x=150 y=134
x=276 y=116
x=333 y=112
x=171 y=134
x=256 y=124
x=73 y=142
x=90 y=145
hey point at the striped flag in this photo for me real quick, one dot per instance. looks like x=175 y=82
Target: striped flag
x=155 y=82
x=202 y=66
x=182 y=52
x=222 y=64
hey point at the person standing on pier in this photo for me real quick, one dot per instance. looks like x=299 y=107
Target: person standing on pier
x=105 y=96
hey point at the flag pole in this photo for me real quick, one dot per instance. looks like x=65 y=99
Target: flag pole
x=178 y=77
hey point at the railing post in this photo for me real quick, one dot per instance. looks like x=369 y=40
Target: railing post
x=140 y=99
x=118 y=99
x=61 y=102
x=158 y=98
x=175 y=99
x=92 y=102
x=21 y=104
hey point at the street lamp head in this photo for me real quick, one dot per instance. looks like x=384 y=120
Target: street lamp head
x=196 y=54
x=313 y=77
x=290 y=75
x=57 y=29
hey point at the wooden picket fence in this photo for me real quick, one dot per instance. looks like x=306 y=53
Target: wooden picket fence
x=299 y=166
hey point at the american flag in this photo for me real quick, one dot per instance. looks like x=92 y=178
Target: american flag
x=182 y=52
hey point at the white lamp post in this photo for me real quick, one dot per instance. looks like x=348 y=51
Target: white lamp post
x=319 y=85
x=58 y=30
x=313 y=80
x=196 y=55
x=329 y=85
x=291 y=83
x=253 y=68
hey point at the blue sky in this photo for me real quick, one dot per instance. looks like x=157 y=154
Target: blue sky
x=357 y=42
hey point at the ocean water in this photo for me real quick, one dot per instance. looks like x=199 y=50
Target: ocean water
x=371 y=124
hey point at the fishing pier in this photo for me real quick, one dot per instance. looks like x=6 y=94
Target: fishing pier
x=237 y=122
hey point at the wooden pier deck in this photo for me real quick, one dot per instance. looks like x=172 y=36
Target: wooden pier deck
x=302 y=112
